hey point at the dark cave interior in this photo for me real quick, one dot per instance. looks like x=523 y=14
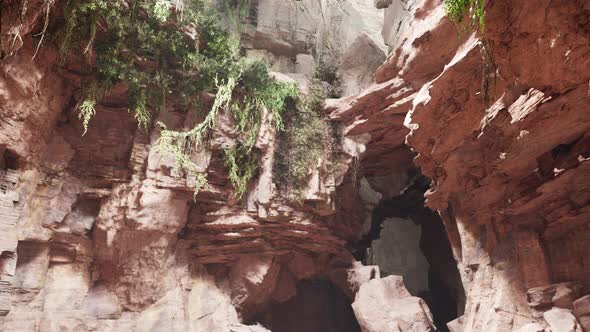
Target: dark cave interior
x=408 y=239
x=9 y=159
x=318 y=306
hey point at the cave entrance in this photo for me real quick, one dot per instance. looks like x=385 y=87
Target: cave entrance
x=408 y=239
x=8 y=160
x=318 y=306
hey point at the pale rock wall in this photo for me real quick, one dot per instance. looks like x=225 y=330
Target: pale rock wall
x=397 y=252
x=386 y=305
x=294 y=35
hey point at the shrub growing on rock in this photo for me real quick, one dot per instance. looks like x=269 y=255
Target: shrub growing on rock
x=308 y=138
x=326 y=71
x=160 y=49
x=472 y=10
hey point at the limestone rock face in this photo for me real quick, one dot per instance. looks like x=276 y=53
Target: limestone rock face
x=290 y=28
x=359 y=61
x=295 y=35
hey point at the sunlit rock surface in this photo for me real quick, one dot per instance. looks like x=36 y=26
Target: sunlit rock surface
x=101 y=233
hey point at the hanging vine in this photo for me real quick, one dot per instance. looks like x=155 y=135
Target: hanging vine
x=163 y=48
x=470 y=15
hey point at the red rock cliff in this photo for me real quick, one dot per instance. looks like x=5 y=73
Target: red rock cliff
x=100 y=233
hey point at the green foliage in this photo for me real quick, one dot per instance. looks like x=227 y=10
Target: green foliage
x=307 y=138
x=261 y=90
x=150 y=47
x=234 y=12
x=86 y=111
x=327 y=71
x=473 y=10
x=87 y=107
x=241 y=164
x=470 y=14
x=249 y=90
x=163 y=48
x=256 y=92
x=181 y=144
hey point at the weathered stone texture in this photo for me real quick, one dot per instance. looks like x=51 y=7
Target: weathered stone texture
x=385 y=305
x=101 y=232
x=503 y=134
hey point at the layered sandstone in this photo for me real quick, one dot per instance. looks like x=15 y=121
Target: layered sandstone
x=99 y=232
x=499 y=122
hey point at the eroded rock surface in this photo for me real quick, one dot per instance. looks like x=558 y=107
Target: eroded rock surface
x=502 y=132
x=385 y=305
x=101 y=233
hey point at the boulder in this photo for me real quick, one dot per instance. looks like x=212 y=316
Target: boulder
x=384 y=305
x=585 y=323
x=252 y=280
x=582 y=311
x=208 y=308
x=561 y=295
x=582 y=306
x=349 y=280
x=564 y=296
x=562 y=320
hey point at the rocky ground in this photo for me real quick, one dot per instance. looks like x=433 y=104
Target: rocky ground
x=99 y=232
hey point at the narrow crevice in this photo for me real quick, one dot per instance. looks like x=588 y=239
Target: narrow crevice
x=408 y=239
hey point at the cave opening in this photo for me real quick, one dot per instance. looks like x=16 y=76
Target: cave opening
x=318 y=306
x=9 y=159
x=408 y=239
